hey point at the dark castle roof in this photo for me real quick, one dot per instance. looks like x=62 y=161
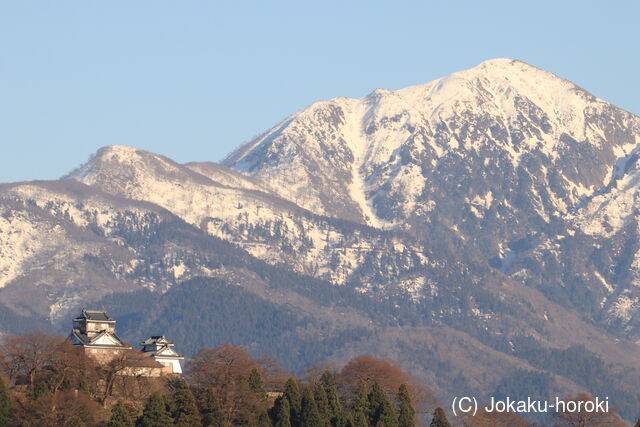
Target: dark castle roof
x=157 y=339
x=95 y=315
x=83 y=339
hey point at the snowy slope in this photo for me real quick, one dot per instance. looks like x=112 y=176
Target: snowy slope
x=503 y=163
x=225 y=176
x=239 y=210
x=384 y=158
x=608 y=211
x=51 y=234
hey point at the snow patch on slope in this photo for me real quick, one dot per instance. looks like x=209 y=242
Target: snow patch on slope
x=20 y=239
x=361 y=148
x=609 y=212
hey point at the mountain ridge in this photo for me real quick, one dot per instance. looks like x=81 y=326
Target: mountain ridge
x=509 y=156
x=490 y=209
x=300 y=131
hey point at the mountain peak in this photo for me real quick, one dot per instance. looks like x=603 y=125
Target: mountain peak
x=499 y=67
x=378 y=155
x=121 y=150
x=122 y=165
x=499 y=78
x=122 y=154
x=501 y=72
x=504 y=63
x=499 y=62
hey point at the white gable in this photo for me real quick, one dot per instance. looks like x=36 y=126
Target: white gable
x=166 y=351
x=106 y=339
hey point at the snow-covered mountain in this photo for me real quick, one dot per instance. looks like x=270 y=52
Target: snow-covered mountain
x=472 y=138
x=497 y=163
x=228 y=205
x=489 y=214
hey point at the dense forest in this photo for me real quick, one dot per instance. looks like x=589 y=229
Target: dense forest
x=46 y=381
x=297 y=340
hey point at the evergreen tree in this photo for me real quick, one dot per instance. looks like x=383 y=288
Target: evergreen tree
x=185 y=411
x=5 y=404
x=263 y=420
x=322 y=403
x=257 y=384
x=381 y=410
x=327 y=379
x=155 y=412
x=292 y=394
x=406 y=413
x=84 y=386
x=212 y=415
x=309 y=416
x=440 y=419
x=360 y=415
x=40 y=389
x=281 y=413
x=335 y=408
x=357 y=419
x=121 y=416
x=336 y=413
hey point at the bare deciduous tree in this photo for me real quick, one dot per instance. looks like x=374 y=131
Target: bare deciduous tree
x=126 y=361
x=26 y=355
x=272 y=372
x=63 y=408
x=582 y=417
x=225 y=369
x=220 y=366
x=69 y=365
x=389 y=376
x=495 y=419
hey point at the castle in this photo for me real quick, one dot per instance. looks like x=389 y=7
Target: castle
x=95 y=331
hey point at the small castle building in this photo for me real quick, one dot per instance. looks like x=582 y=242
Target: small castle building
x=161 y=350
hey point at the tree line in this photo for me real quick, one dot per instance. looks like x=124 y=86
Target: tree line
x=46 y=381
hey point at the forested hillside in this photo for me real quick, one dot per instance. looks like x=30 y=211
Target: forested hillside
x=46 y=381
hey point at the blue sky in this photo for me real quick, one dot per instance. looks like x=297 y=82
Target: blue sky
x=194 y=79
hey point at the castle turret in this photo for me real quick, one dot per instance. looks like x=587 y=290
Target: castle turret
x=161 y=349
